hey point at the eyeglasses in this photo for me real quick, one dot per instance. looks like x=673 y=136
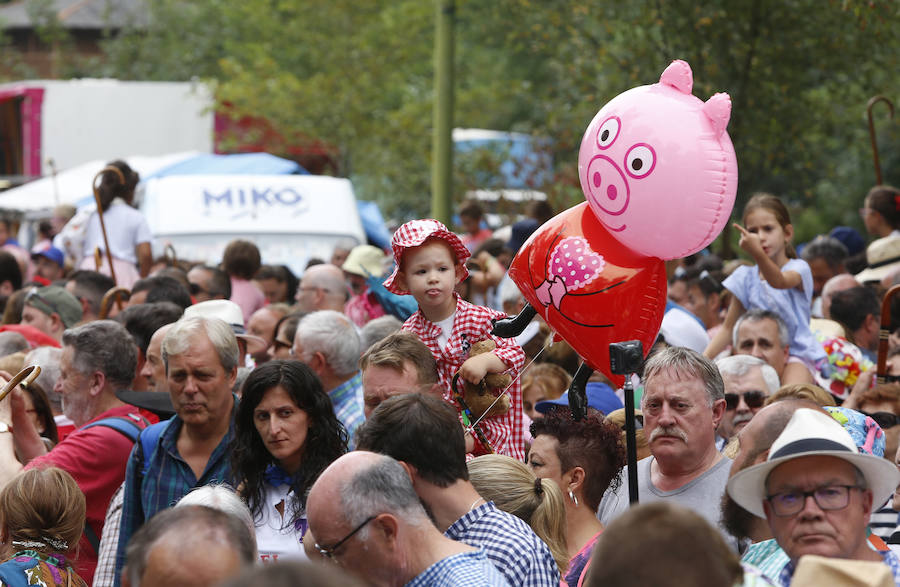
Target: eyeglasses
x=34 y=295
x=828 y=498
x=282 y=344
x=753 y=399
x=884 y=419
x=328 y=551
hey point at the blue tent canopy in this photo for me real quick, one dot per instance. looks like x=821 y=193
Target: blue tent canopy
x=237 y=164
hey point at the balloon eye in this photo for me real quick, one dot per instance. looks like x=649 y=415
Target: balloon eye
x=608 y=132
x=640 y=160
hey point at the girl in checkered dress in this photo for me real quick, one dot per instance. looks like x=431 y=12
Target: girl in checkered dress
x=430 y=262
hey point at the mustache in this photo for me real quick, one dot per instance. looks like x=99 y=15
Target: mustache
x=741 y=418
x=668 y=431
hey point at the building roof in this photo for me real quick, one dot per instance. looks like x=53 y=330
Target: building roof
x=77 y=14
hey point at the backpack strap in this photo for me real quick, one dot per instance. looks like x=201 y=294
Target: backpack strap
x=129 y=425
x=149 y=439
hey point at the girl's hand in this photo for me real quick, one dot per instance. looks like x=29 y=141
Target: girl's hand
x=750 y=242
x=475 y=368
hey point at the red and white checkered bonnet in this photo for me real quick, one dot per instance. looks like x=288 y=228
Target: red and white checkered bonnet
x=416 y=232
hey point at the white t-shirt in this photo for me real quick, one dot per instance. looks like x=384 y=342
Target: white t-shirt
x=279 y=537
x=125 y=227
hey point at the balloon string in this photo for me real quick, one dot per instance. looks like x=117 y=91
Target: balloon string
x=518 y=376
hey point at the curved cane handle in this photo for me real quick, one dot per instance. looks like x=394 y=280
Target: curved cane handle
x=24 y=377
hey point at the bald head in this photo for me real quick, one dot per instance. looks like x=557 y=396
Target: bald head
x=758 y=435
x=834 y=285
x=322 y=287
x=154 y=369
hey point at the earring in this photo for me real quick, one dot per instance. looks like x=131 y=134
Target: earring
x=573 y=498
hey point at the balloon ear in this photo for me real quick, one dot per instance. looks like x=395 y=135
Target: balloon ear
x=718 y=110
x=679 y=76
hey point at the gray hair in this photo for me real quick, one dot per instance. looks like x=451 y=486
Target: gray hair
x=827 y=248
x=332 y=334
x=686 y=363
x=105 y=346
x=222 y=497
x=12 y=342
x=219 y=333
x=756 y=315
x=47 y=358
x=740 y=365
x=191 y=527
x=383 y=487
x=377 y=329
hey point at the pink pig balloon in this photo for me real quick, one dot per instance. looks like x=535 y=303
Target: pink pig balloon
x=658 y=168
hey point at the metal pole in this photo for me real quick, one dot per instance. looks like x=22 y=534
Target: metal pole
x=630 y=441
x=442 y=139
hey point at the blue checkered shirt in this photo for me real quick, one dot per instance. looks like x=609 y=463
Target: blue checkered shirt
x=168 y=479
x=461 y=570
x=347 y=406
x=510 y=544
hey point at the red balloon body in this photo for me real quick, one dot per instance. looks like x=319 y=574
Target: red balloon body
x=590 y=288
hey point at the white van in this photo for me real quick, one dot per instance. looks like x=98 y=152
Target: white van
x=291 y=218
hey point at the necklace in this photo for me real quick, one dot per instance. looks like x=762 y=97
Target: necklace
x=474 y=503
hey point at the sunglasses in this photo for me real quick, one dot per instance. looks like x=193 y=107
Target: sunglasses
x=884 y=419
x=753 y=399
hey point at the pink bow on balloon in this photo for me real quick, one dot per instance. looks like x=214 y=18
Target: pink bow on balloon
x=571 y=266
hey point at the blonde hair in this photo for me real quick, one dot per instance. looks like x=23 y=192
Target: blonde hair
x=802 y=391
x=617 y=417
x=515 y=489
x=43 y=505
x=552 y=379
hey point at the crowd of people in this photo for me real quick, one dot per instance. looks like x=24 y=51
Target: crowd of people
x=235 y=424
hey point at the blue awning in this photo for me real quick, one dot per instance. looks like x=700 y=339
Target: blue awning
x=237 y=164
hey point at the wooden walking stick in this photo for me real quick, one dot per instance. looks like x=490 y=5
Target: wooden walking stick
x=121 y=176
x=883 y=333
x=25 y=377
x=118 y=294
x=872 y=101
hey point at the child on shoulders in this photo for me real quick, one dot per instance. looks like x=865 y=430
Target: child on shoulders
x=430 y=262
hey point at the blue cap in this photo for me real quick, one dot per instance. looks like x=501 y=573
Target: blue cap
x=600 y=396
x=53 y=254
x=851 y=238
x=521 y=230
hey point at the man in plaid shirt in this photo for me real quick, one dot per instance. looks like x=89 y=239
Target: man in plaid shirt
x=191 y=450
x=430 y=261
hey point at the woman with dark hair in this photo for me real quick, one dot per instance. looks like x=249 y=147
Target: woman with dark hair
x=126 y=228
x=584 y=459
x=285 y=329
x=37 y=405
x=286 y=433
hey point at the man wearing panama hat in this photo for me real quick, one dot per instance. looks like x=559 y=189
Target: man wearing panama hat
x=816 y=491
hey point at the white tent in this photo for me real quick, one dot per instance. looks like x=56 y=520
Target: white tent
x=73 y=186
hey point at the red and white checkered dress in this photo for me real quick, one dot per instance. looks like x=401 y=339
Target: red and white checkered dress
x=472 y=324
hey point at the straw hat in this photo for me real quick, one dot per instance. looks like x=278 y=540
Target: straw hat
x=883 y=257
x=812 y=433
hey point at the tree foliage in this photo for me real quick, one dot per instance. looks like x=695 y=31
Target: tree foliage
x=359 y=76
